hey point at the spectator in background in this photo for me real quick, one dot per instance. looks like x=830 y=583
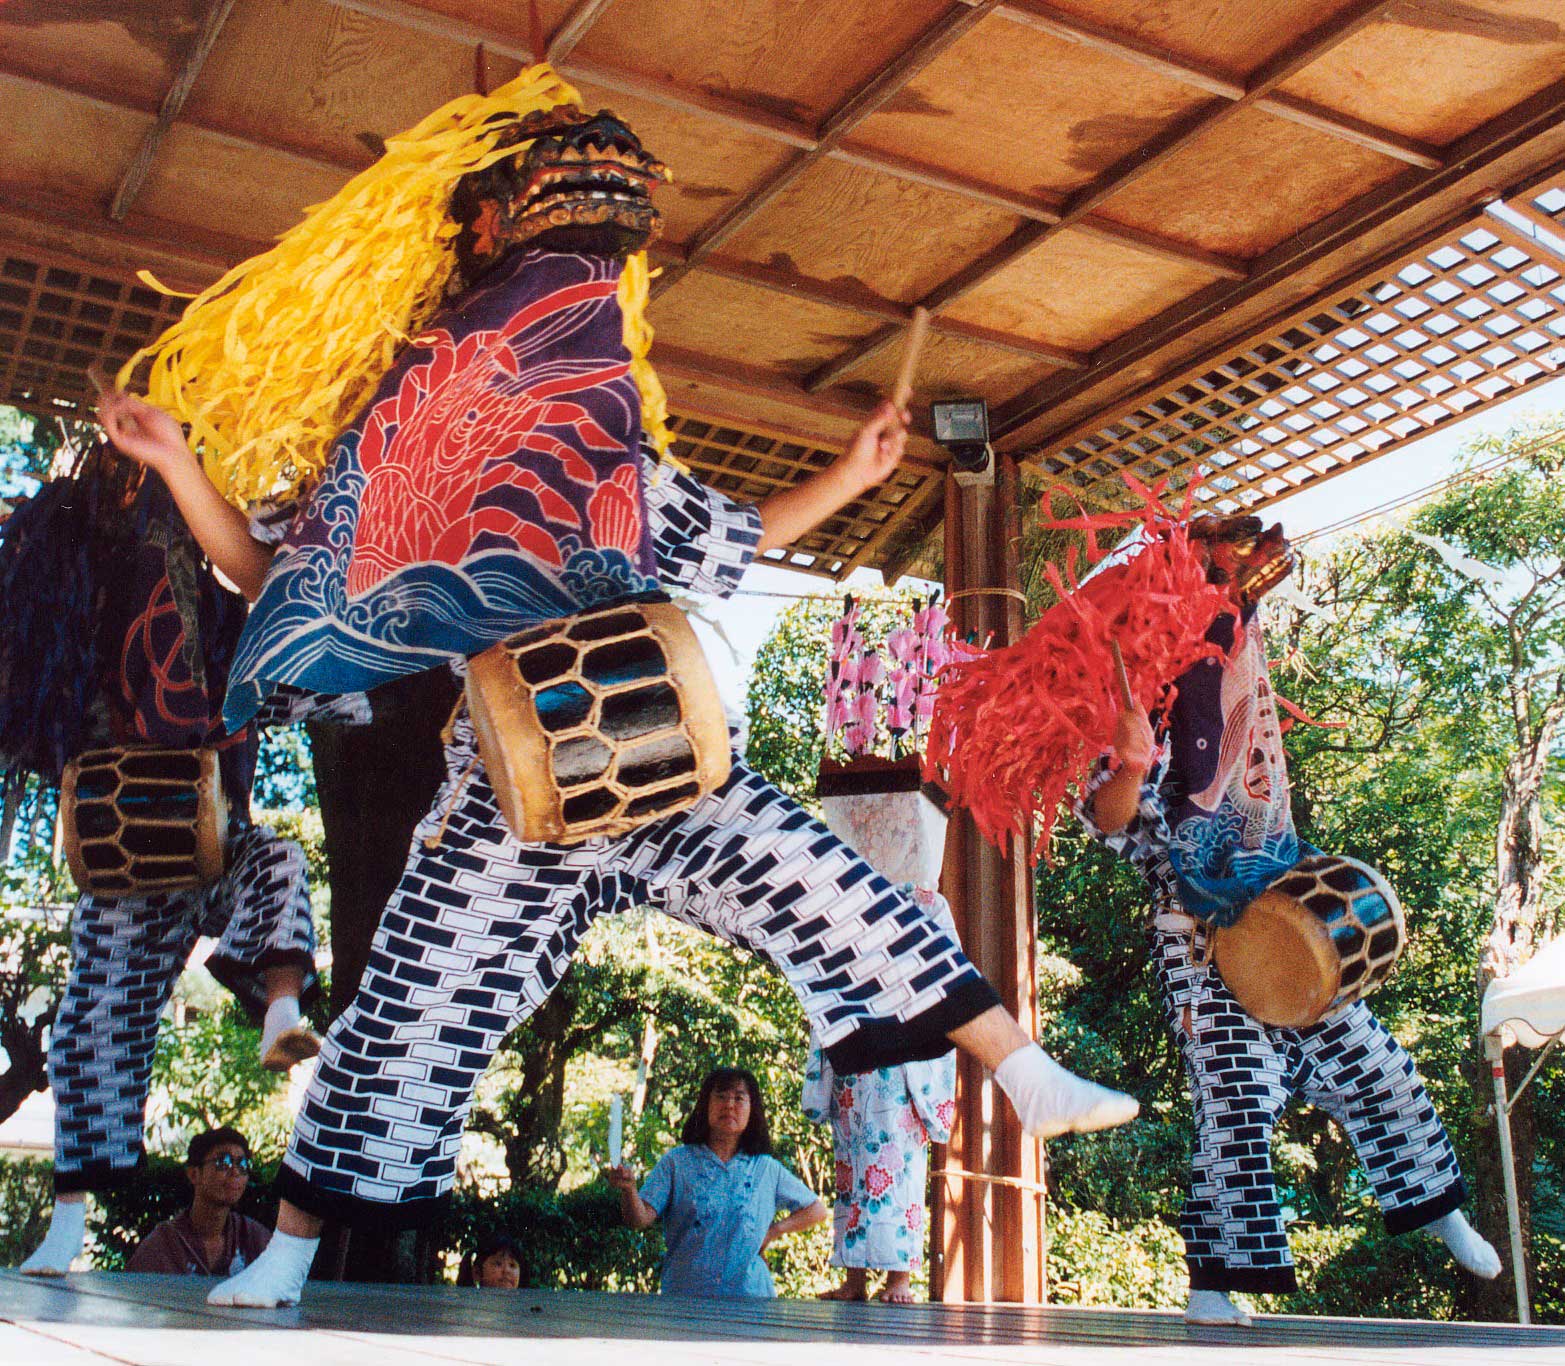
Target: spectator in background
x=210 y=1238
x=882 y=1123
x=496 y=1265
x=719 y=1194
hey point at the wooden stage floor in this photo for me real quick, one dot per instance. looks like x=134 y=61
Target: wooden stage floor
x=164 y=1321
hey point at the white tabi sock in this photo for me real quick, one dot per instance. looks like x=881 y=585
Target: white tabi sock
x=274 y=1278
x=1467 y=1245
x=285 y=1040
x=1051 y=1101
x=1214 y=1307
x=62 y=1245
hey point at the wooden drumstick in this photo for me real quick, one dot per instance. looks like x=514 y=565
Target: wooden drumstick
x=917 y=333
x=101 y=387
x=1124 y=678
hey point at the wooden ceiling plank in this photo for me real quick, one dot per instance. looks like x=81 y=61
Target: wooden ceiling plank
x=1034 y=207
x=140 y=166
x=865 y=101
x=1532 y=118
x=789 y=132
x=1151 y=244
x=576 y=25
x=692 y=100
x=680 y=363
x=463 y=32
x=244 y=142
x=892 y=78
x=1309 y=48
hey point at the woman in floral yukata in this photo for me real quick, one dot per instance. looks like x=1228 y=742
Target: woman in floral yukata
x=882 y=1123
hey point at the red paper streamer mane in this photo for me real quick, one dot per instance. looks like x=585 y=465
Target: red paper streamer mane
x=1015 y=728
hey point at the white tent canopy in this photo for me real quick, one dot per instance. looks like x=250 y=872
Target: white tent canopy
x=1528 y=1008
x=1531 y=1001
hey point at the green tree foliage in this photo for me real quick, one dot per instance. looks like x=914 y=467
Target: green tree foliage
x=27 y=445
x=34 y=956
x=206 y=1072
x=26 y=1197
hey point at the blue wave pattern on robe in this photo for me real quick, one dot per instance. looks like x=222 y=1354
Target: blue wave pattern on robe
x=492 y=482
x=1229 y=816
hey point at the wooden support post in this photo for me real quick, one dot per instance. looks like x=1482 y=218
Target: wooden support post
x=988 y=1234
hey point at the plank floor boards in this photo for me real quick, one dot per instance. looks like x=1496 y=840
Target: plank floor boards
x=164 y=1321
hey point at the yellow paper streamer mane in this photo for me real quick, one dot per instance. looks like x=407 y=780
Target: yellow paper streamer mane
x=269 y=364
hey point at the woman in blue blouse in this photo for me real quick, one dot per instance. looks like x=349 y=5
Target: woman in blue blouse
x=719 y=1194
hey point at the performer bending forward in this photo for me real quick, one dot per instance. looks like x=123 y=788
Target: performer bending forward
x=497 y=477
x=483 y=926
x=1212 y=795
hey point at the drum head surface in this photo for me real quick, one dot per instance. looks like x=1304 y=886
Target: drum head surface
x=1279 y=962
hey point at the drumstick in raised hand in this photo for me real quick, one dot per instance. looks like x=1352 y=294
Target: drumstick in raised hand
x=1125 y=696
x=917 y=334
x=101 y=387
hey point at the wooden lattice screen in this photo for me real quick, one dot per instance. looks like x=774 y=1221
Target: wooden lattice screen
x=750 y=464
x=1447 y=330
x=56 y=320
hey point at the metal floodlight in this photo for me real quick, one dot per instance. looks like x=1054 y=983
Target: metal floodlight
x=962 y=427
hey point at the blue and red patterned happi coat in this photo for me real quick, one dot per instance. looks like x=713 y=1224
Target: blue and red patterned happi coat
x=1230 y=821
x=492 y=482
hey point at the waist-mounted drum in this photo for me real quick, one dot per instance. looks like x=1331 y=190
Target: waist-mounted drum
x=597 y=723
x=144 y=819
x=1325 y=934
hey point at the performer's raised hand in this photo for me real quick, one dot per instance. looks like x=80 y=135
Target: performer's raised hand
x=1134 y=743
x=148 y=435
x=621 y=1178
x=143 y=431
x=877 y=448
x=874 y=452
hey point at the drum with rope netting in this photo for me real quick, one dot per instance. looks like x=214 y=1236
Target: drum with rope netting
x=598 y=723
x=1325 y=934
x=144 y=819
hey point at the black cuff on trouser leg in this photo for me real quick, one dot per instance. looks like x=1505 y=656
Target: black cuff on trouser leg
x=1406 y=1218
x=1250 y=1280
x=889 y=1043
x=343 y=1208
x=97 y=1176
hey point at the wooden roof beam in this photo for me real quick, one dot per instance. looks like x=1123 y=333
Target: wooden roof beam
x=173 y=102
x=1123 y=173
x=1043 y=17
x=677 y=362
x=866 y=302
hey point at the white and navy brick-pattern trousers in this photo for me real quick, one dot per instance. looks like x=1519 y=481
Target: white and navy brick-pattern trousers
x=1242 y=1076
x=482 y=928
x=126 y=955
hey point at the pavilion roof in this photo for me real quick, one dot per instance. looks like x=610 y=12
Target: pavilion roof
x=1258 y=235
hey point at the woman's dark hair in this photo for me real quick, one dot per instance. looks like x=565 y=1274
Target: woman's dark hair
x=756 y=1138
x=473 y=1264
